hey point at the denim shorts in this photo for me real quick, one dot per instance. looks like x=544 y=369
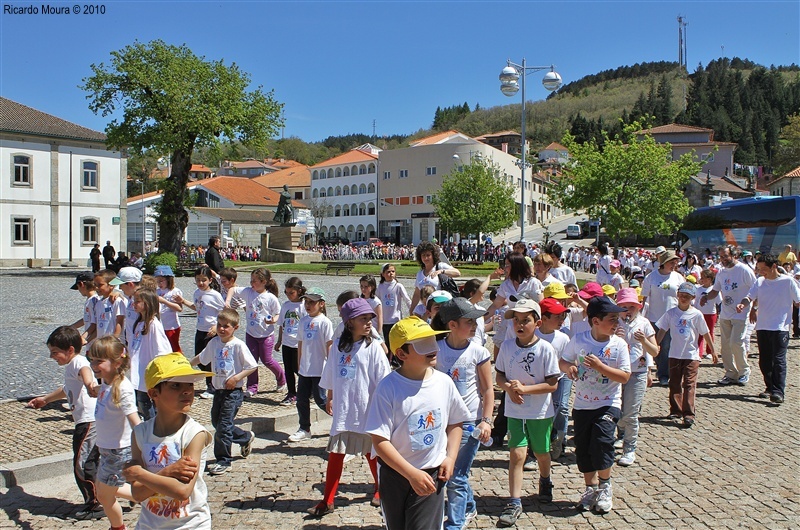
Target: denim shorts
x=112 y=461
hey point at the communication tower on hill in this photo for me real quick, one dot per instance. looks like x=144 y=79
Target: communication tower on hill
x=682 y=42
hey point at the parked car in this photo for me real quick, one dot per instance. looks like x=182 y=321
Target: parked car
x=574 y=232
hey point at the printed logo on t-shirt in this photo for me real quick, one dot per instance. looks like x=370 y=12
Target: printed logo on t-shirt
x=388 y=301
x=424 y=428
x=136 y=342
x=526 y=358
x=310 y=331
x=347 y=366
x=683 y=326
x=224 y=364
x=158 y=457
x=290 y=321
x=458 y=373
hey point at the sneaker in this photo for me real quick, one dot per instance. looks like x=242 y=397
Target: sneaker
x=588 y=499
x=207 y=395
x=545 y=490
x=510 y=515
x=281 y=389
x=602 y=503
x=765 y=395
x=664 y=381
x=618 y=444
x=318 y=510
x=627 y=459
x=348 y=458
x=674 y=417
x=742 y=381
x=557 y=447
x=725 y=381
x=688 y=421
x=469 y=517
x=376 y=501
x=299 y=435
x=530 y=464
x=775 y=398
x=289 y=401
x=248 y=447
x=90 y=512
x=248 y=394
x=218 y=469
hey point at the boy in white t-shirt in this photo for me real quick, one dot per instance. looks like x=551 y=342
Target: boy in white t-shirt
x=599 y=363
x=231 y=361
x=685 y=324
x=84 y=284
x=80 y=389
x=527 y=370
x=415 y=422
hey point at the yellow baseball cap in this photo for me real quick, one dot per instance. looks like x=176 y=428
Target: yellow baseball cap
x=410 y=329
x=556 y=290
x=609 y=290
x=172 y=367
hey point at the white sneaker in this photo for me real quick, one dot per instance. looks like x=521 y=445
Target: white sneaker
x=299 y=435
x=281 y=389
x=348 y=458
x=587 y=501
x=207 y=395
x=627 y=459
x=618 y=444
x=602 y=503
x=530 y=464
x=470 y=517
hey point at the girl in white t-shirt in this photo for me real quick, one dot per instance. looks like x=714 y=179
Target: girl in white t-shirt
x=167 y=294
x=292 y=310
x=356 y=366
x=147 y=341
x=262 y=310
x=208 y=303
x=709 y=310
x=115 y=416
x=391 y=293
x=368 y=287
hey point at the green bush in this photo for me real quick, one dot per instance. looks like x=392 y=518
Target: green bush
x=160 y=258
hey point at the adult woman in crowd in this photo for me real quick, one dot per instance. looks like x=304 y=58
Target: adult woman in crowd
x=430 y=267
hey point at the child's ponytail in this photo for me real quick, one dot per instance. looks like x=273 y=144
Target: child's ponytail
x=110 y=348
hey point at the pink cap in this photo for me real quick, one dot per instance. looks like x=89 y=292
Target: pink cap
x=590 y=290
x=615 y=263
x=628 y=295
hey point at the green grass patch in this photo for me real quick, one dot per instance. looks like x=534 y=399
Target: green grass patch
x=405 y=269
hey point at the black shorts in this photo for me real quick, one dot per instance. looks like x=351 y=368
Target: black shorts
x=595 y=432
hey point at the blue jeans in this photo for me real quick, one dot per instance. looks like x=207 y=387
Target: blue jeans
x=459 y=493
x=145 y=405
x=561 y=406
x=223 y=411
x=632 y=397
x=662 y=361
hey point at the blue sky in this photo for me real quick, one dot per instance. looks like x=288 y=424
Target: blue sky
x=338 y=66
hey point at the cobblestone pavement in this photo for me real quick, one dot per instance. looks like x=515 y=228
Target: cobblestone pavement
x=737 y=468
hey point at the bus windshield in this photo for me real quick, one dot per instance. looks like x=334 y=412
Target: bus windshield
x=762 y=223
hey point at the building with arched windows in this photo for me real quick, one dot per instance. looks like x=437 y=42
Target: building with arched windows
x=344 y=195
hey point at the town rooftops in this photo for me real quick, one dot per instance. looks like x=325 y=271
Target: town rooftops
x=236 y=189
x=720 y=184
x=350 y=157
x=676 y=128
x=297 y=176
x=497 y=135
x=18 y=118
x=554 y=146
x=440 y=138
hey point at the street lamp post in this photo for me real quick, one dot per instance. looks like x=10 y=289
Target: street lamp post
x=510 y=85
x=144 y=217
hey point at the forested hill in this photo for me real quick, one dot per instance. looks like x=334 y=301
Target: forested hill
x=743 y=102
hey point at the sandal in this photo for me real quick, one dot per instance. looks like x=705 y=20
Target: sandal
x=320 y=509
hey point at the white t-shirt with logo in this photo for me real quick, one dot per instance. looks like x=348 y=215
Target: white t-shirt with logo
x=260 y=308
x=711 y=305
x=685 y=328
x=733 y=284
x=414 y=415
x=564 y=274
x=461 y=365
x=391 y=294
x=105 y=313
x=289 y=321
x=775 y=302
x=353 y=377
x=557 y=339
x=169 y=317
x=374 y=303
x=113 y=428
x=227 y=359
x=661 y=291
x=640 y=359
x=81 y=404
x=530 y=365
x=592 y=389
x=208 y=304
x=163 y=512
x=144 y=348
x=314 y=335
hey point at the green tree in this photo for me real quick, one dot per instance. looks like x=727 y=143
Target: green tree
x=632 y=183
x=475 y=198
x=787 y=157
x=173 y=102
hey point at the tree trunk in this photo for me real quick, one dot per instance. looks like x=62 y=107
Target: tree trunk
x=173 y=217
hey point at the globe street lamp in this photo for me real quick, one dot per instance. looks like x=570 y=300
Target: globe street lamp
x=510 y=85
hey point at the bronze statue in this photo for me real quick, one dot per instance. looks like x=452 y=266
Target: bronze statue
x=284 y=214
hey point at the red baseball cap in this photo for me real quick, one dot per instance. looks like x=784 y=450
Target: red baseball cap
x=552 y=306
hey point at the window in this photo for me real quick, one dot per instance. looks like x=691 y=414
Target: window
x=430 y=170
x=417 y=199
x=387 y=175
x=322 y=193
x=707 y=157
x=315 y=175
x=89 y=171
x=428 y=199
x=89 y=231
x=403 y=173
x=22 y=230
x=371 y=208
x=362 y=189
x=402 y=201
x=362 y=209
x=338 y=211
x=22 y=170
x=298 y=195
x=346 y=191
x=346 y=210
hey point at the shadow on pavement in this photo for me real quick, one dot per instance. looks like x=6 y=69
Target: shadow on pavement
x=16 y=498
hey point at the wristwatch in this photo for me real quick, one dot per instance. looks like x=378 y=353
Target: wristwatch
x=487 y=420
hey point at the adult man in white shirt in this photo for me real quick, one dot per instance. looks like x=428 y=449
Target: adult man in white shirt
x=772 y=296
x=733 y=282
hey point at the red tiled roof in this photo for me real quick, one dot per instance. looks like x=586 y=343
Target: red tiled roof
x=675 y=128
x=498 y=134
x=720 y=184
x=555 y=146
x=199 y=168
x=793 y=173
x=298 y=176
x=436 y=138
x=349 y=157
x=19 y=118
x=249 y=164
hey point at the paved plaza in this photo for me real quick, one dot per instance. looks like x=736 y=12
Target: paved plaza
x=736 y=468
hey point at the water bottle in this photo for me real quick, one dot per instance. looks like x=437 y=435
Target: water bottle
x=475 y=433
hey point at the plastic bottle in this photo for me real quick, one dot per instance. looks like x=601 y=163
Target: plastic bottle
x=475 y=433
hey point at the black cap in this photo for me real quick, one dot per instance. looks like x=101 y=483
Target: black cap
x=82 y=277
x=600 y=305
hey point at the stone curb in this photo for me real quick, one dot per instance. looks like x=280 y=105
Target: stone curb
x=55 y=466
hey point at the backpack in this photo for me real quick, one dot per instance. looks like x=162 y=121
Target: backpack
x=448 y=284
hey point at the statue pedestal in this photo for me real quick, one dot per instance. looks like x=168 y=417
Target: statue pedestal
x=279 y=244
